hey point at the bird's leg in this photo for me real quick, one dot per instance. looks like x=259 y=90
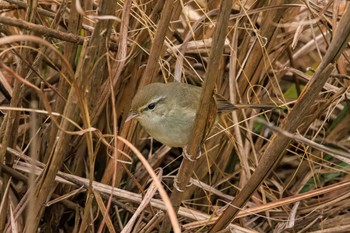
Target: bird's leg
x=176 y=186
x=188 y=156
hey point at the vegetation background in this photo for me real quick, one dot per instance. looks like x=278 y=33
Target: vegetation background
x=70 y=163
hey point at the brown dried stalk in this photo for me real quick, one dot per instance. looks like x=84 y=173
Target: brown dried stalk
x=187 y=166
x=295 y=118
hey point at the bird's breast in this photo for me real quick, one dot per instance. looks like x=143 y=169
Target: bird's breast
x=170 y=129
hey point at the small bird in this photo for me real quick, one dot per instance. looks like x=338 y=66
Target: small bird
x=167 y=111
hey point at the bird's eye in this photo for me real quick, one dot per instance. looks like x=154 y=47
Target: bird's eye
x=151 y=106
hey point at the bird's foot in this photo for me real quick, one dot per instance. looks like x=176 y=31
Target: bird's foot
x=176 y=186
x=188 y=156
x=199 y=154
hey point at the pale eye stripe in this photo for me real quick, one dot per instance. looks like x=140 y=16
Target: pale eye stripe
x=154 y=101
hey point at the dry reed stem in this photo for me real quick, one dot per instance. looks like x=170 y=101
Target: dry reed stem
x=202 y=116
x=295 y=118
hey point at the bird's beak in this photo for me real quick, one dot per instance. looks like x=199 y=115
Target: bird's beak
x=131 y=116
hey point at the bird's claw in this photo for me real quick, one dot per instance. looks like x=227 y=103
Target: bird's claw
x=188 y=156
x=199 y=154
x=177 y=187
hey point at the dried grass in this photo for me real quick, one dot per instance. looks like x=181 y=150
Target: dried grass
x=68 y=73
